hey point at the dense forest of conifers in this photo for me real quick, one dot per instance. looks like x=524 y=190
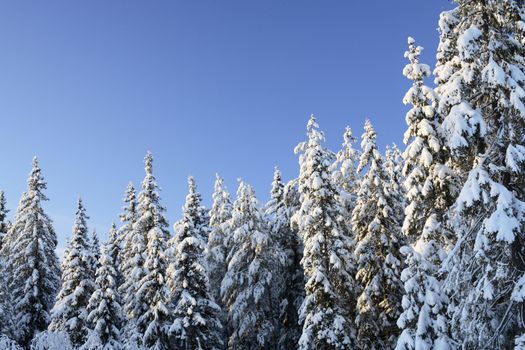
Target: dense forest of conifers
x=416 y=249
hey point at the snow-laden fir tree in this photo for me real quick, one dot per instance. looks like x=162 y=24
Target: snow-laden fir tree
x=289 y=278
x=69 y=313
x=216 y=250
x=424 y=153
x=196 y=316
x=128 y=218
x=114 y=249
x=428 y=194
x=130 y=260
x=5 y=304
x=4 y=224
x=149 y=306
x=33 y=271
x=482 y=99
x=94 y=244
x=379 y=261
x=104 y=313
x=6 y=322
x=394 y=168
x=327 y=312
x=345 y=176
x=246 y=287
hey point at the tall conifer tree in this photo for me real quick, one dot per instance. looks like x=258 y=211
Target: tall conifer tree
x=328 y=310
x=32 y=264
x=69 y=313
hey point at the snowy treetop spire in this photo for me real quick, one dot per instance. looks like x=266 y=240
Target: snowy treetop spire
x=148 y=163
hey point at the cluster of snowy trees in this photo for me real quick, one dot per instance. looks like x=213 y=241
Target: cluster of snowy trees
x=420 y=249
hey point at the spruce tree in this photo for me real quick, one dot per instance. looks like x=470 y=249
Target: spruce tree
x=151 y=325
x=5 y=304
x=4 y=224
x=130 y=261
x=196 y=317
x=289 y=285
x=69 y=313
x=482 y=103
x=346 y=177
x=104 y=313
x=429 y=194
x=6 y=307
x=94 y=244
x=394 y=168
x=246 y=287
x=328 y=309
x=377 y=252
x=114 y=249
x=33 y=272
x=216 y=250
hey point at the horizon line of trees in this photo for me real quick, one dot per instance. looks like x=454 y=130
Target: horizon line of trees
x=409 y=250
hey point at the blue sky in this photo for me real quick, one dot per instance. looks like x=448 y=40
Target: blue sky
x=208 y=86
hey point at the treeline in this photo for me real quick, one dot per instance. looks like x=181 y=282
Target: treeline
x=420 y=249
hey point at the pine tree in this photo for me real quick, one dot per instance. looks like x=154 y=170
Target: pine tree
x=377 y=253
x=289 y=278
x=33 y=272
x=151 y=298
x=104 y=313
x=4 y=224
x=246 y=287
x=429 y=194
x=69 y=313
x=216 y=250
x=328 y=310
x=482 y=102
x=196 y=317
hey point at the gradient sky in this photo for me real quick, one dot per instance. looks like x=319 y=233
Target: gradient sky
x=208 y=86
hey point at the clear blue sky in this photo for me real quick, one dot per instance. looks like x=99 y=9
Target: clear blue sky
x=208 y=86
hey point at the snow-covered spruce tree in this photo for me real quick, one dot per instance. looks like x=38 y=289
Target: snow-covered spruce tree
x=114 y=249
x=130 y=260
x=345 y=176
x=4 y=224
x=69 y=313
x=125 y=232
x=216 y=250
x=33 y=272
x=94 y=244
x=104 y=313
x=428 y=187
x=482 y=101
x=150 y=315
x=394 y=168
x=328 y=309
x=196 y=317
x=288 y=287
x=6 y=322
x=424 y=149
x=378 y=259
x=246 y=287
x=5 y=303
